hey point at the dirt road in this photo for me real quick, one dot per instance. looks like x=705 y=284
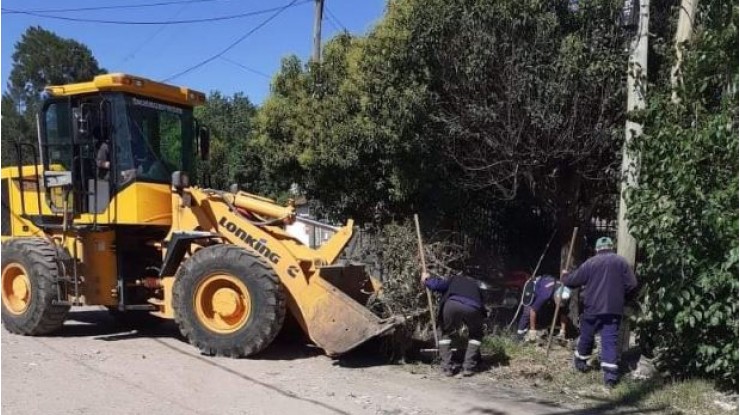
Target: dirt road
x=93 y=367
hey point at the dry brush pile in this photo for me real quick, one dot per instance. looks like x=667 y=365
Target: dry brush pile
x=391 y=253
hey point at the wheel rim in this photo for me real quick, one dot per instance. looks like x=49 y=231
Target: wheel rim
x=222 y=303
x=16 y=288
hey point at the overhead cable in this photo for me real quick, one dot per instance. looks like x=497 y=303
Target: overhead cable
x=335 y=19
x=166 y=22
x=117 y=6
x=236 y=42
x=245 y=67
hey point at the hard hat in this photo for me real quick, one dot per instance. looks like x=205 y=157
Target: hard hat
x=604 y=242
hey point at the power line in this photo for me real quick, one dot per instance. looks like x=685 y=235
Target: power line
x=236 y=42
x=166 y=22
x=120 y=6
x=151 y=37
x=331 y=22
x=336 y=20
x=246 y=68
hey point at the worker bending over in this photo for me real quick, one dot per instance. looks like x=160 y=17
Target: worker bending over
x=546 y=293
x=607 y=279
x=462 y=303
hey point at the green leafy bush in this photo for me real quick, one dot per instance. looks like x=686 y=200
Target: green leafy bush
x=684 y=211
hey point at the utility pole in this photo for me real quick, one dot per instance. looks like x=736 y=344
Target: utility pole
x=683 y=34
x=318 y=18
x=636 y=88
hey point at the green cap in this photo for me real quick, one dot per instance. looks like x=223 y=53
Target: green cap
x=604 y=242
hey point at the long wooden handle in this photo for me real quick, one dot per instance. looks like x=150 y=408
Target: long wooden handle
x=424 y=270
x=421 y=244
x=568 y=263
x=569 y=260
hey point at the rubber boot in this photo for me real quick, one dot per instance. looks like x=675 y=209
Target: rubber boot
x=611 y=375
x=580 y=362
x=472 y=356
x=445 y=354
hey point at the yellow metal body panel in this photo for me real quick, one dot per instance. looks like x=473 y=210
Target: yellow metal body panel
x=137 y=204
x=134 y=85
x=98 y=268
x=332 y=319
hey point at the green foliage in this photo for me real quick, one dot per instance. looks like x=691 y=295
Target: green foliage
x=41 y=58
x=684 y=211
x=448 y=108
x=234 y=157
x=348 y=137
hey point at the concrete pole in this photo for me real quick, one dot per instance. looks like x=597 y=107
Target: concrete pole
x=683 y=34
x=318 y=18
x=636 y=88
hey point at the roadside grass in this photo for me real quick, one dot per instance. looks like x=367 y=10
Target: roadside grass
x=526 y=366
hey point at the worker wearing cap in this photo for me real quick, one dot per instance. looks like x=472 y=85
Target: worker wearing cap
x=547 y=292
x=462 y=303
x=607 y=279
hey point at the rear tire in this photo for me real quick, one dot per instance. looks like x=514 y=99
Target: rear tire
x=228 y=301
x=30 y=272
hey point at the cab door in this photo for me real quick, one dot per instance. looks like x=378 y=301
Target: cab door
x=73 y=131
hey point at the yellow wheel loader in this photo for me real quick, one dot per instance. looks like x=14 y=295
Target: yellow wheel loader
x=101 y=212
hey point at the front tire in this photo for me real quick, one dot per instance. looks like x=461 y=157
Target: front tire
x=228 y=301
x=30 y=273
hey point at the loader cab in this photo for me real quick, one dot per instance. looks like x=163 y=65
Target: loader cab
x=119 y=138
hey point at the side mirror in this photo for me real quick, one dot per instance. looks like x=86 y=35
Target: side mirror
x=204 y=139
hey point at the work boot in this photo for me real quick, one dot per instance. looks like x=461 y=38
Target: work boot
x=445 y=354
x=611 y=377
x=581 y=362
x=472 y=356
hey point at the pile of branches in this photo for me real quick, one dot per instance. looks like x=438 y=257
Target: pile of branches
x=391 y=253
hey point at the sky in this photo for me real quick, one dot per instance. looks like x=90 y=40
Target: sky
x=160 y=51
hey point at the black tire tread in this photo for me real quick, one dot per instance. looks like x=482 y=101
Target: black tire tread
x=271 y=320
x=45 y=317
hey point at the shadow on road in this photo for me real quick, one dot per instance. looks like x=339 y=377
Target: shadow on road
x=626 y=404
x=100 y=325
x=291 y=344
x=485 y=411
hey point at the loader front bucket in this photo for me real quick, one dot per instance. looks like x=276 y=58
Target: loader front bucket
x=336 y=317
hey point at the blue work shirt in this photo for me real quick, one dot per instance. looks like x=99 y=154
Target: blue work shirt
x=607 y=279
x=441 y=285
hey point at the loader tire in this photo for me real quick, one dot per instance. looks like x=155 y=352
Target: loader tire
x=30 y=272
x=228 y=301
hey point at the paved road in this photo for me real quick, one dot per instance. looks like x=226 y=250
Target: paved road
x=92 y=367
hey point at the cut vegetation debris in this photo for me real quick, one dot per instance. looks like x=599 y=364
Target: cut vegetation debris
x=525 y=368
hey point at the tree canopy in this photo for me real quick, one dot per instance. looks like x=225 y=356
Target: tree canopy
x=452 y=109
x=41 y=58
